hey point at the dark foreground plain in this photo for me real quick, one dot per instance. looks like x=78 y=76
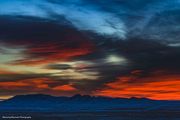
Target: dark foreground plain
x=150 y=115
x=45 y=107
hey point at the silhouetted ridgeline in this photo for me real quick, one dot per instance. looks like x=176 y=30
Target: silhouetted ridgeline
x=78 y=103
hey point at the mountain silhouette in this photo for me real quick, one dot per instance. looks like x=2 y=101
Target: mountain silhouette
x=79 y=103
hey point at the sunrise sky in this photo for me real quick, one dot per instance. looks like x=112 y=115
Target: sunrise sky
x=114 y=48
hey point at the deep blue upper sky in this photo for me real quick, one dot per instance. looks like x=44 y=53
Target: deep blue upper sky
x=156 y=19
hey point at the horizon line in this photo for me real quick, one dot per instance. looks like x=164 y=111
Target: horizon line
x=135 y=97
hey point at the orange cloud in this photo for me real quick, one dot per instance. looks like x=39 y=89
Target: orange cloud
x=160 y=87
x=11 y=85
x=6 y=72
x=64 y=88
x=14 y=85
x=37 y=85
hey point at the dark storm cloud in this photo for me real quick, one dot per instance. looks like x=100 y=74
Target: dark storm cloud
x=43 y=39
x=59 y=66
x=24 y=30
x=15 y=77
x=145 y=55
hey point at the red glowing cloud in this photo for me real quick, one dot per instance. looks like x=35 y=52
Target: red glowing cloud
x=43 y=54
x=160 y=87
x=64 y=88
